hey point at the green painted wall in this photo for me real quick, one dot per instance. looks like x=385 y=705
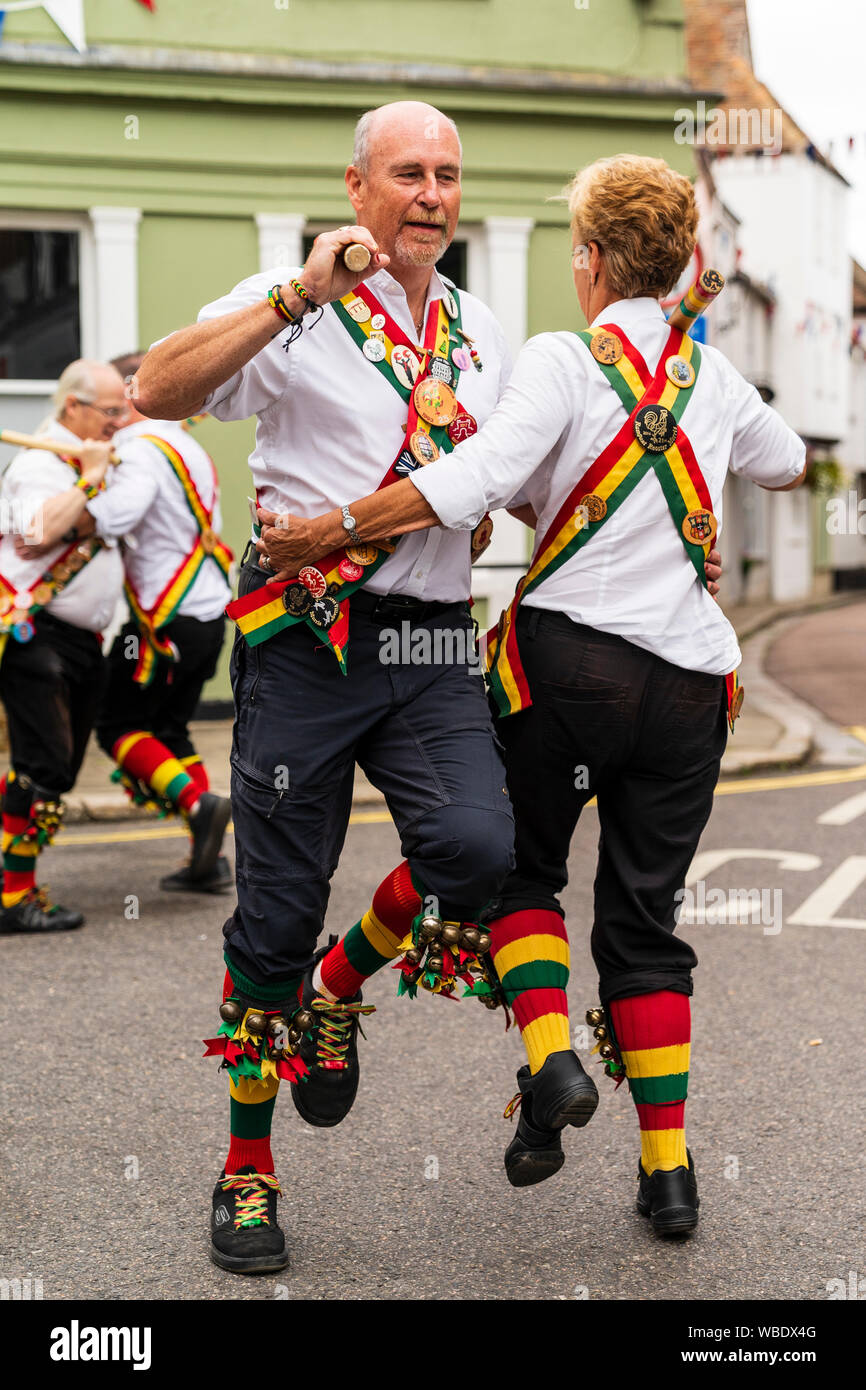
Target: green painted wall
x=212 y=145
x=611 y=36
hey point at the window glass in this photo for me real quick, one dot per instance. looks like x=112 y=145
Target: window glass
x=40 y=321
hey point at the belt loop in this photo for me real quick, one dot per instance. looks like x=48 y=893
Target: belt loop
x=247 y=549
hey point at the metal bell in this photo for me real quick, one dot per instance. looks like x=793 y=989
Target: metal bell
x=303 y=1020
x=429 y=928
x=470 y=938
x=600 y=1032
x=415 y=955
x=451 y=934
x=606 y=1051
x=276 y=1025
x=435 y=964
x=489 y=1001
x=275 y=1053
x=414 y=976
x=256 y=1024
x=230 y=1011
x=295 y=1036
x=483 y=942
x=594 y=1016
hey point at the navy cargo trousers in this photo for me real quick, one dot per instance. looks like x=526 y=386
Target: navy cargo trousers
x=413 y=714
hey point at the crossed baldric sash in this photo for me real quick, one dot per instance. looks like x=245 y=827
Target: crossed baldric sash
x=651 y=438
x=207 y=546
x=321 y=594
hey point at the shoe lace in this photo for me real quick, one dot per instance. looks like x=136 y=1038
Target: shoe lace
x=251 y=1204
x=39 y=895
x=337 y=1020
x=513 y=1104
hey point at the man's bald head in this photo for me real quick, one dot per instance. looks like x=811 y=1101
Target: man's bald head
x=396 y=121
x=404 y=181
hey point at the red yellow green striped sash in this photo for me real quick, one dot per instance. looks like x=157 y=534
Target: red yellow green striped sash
x=612 y=477
x=261 y=614
x=207 y=546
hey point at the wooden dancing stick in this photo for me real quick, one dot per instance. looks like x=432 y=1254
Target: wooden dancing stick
x=356 y=257
x=39 y=441
x=696 y=299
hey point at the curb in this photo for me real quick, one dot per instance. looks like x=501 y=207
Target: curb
x=797 y=744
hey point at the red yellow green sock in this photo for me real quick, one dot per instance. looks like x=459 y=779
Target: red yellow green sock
x=149 y=761
x=196 y=769
x=19 y=851
x=653 y=1033
x=375 y=940
x=251 y=1113
x=531 y=955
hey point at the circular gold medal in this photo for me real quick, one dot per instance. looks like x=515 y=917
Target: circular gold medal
x=363 y=554
x=434 y=401
x=606 y=348
x=594 y=506
x=700 y=527
x=482 y=536
x=208 y=541
x=423 y=448
x=680 y=372
x=42 y=594
x=5 y=605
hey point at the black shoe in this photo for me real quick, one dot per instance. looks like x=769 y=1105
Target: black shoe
x=245 y=1236
x=207 y=825
x=670 y=1200
x=559 y=1094
x=326 y=1095
x=36 y=914
x=219 y=880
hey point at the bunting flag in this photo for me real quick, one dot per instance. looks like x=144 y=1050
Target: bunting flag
x=68 y=15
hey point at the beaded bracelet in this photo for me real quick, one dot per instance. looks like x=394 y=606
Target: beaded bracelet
x=90 y=490
x=302 y=293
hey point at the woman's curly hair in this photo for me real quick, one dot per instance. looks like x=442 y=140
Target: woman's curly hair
x=643 y=215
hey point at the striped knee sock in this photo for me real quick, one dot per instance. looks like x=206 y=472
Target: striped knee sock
x=149 y=761
x=531 y=955
x=19 y=853
x=652 y=1032
x=375 y=940
x=251 y=1113
x=195 y=768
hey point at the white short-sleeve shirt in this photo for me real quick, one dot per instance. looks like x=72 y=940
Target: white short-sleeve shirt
x=329 y=424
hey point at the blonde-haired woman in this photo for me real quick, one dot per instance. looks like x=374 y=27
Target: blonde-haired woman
x=614 y=669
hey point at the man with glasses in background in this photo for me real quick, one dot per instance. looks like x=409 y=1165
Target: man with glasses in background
x=55 y=601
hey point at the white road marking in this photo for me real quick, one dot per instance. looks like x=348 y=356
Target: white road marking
x=820 y=907
x=845 y=811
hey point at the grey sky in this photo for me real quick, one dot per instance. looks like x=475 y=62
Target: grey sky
x=811 y=56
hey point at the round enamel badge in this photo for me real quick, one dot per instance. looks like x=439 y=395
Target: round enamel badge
x=655 y=428
x=700 y=527
x=435 y=402
x=680 y=372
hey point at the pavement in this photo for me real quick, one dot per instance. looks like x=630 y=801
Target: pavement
x=793 y=658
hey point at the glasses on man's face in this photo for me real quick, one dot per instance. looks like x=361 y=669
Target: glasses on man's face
x=111 y=412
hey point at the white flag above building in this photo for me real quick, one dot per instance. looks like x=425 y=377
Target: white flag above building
x=68 y=15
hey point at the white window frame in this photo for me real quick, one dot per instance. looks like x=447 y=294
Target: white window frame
x=38 y=221
x=472 y=233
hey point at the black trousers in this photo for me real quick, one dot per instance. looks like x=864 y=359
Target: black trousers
x=50 y=687
x=165 y=707
x=611 y=720
x=413 y=715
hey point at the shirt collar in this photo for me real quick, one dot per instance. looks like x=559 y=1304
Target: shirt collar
x=384 y=286
x=625 y=311
x=59 y=434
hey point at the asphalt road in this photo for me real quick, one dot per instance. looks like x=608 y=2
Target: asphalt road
x=114 y=1128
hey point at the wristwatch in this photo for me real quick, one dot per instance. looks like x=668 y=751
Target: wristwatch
x=349 y=526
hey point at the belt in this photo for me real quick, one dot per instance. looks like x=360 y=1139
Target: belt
x=385 y=608
x=390 y=608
